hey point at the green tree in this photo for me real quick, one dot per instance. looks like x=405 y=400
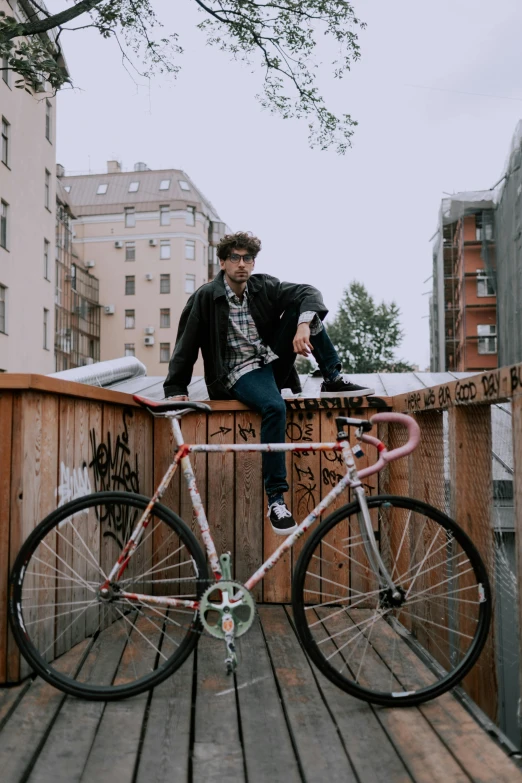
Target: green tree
x=366 y=334
x=281 y=36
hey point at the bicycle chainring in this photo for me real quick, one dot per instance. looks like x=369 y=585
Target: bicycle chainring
x=224 y=599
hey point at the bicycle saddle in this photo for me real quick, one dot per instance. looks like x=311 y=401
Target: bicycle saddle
x=163 y=406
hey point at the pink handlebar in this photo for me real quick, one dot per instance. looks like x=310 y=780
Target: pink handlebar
x=402 y=451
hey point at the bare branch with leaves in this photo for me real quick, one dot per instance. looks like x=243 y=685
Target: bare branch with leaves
x=282 y=37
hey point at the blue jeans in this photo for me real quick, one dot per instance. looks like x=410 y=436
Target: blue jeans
x=258 y=390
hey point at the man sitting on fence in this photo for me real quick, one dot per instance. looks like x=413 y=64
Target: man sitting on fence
x=249 y=329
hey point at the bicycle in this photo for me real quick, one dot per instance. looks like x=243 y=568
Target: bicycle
x=391 y=600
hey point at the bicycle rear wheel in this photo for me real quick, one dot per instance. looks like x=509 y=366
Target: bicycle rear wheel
x=353 y=629
x=93 y=647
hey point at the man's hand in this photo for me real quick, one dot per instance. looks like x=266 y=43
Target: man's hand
x=179 y=397
x=302 y=344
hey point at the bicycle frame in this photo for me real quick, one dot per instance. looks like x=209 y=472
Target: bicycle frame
x=351 y=479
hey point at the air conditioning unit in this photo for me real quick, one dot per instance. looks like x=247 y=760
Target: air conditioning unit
x=109 y=309
x=153 y=242
x=149 y=341
x=90 y=264
x=149 y=330
x=119 y=244
x=149 y=276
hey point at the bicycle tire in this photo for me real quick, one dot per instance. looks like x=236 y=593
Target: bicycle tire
x=409 y=654
x=105 y=650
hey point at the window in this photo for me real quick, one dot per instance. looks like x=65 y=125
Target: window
x=45 y=329
x=183 y=185
x=48 y=118
x=130 y=319
x=164 y=284
x=46 y=259
x=134 y=187
x=484 y=285
x=165 y=318
x=190 y=284
x=164 y=184
x=130 y=285
x=5 y=70
x=190 y=217
x=483 y=226
x=102 y=189
x=164 y=352
x=129 y=349
x=47 y=195
x=130 y=251
x=130 y=217
x=190 y=249
x=3 y=319
x=4 y=218
x=165 y=215
x=487 y=334
x=165 y=248
x=5 y=141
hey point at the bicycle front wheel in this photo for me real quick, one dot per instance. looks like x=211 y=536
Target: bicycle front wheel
x=378 y=648
x=106 y=647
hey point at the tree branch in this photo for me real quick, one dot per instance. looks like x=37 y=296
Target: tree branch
x=43 y=25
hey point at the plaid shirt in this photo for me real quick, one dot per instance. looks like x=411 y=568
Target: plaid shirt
x=245 y=350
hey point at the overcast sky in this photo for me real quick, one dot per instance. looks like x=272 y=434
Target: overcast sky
x=437 y=95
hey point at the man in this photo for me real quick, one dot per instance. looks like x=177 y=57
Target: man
x=249 y=329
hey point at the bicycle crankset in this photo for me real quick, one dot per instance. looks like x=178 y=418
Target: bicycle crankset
x=227 y=606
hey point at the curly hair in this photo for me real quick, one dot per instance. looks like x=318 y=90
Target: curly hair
x=244 y=240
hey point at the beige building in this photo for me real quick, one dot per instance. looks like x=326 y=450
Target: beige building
x=149 y=238
x=27 y=226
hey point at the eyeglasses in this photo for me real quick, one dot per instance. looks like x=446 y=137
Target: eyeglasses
x=236 y=258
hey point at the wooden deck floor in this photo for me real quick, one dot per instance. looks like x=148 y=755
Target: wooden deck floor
x=280 y=721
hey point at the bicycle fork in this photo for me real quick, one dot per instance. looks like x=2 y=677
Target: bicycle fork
x=396 y=597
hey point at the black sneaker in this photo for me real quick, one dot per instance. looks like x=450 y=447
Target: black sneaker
x=281 y=519
x=347 y=389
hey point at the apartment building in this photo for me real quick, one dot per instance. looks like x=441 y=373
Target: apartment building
x=76 y=300
x=149 y=237
x=27 y=225
x=463 y=306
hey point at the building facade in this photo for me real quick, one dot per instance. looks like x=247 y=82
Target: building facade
x=463 y=311
x=149 y=237
x=76 y=300
x=27 y=201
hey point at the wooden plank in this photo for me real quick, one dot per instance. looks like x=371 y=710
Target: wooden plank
x=45 y=383
x=25 y=732
x=426 y=463
x=249 y=501
x=69 y=742
x=334 y=565
x=16 y=509
x=491 y=386
x=476 y=752
x=6 y=427
x=165 y=752
x=66 y=468
x=471 y=506
x=9 y=698
x=373 y=756
x=320 y=750
x=217 y=753
x=421 y=750
x=113 y=754
x=220 y=484
x=267 y=743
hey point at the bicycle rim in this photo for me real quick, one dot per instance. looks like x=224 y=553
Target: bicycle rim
x=105 y=649
x=349 y=623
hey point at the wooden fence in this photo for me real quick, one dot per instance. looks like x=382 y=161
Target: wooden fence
x=60 y=440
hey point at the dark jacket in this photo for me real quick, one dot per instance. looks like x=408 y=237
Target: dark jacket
x=204 y=324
